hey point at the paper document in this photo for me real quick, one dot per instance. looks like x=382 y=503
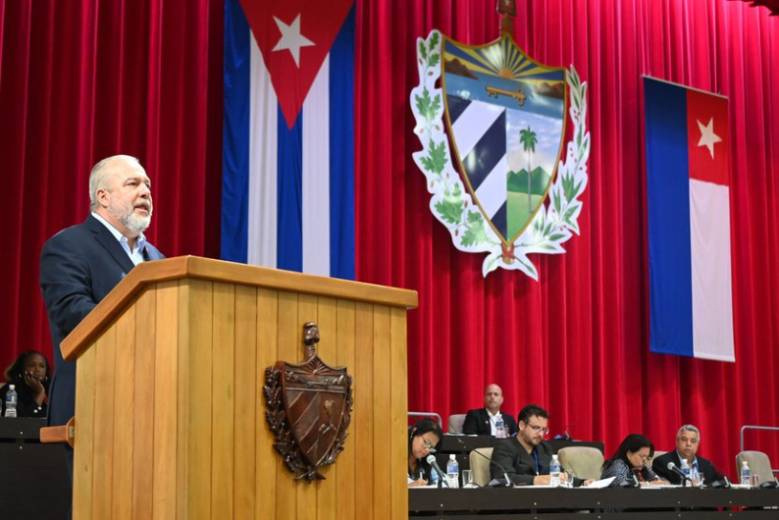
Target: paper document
x=600 y=484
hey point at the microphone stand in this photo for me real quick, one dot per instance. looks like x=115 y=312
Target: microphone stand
x=480 y=454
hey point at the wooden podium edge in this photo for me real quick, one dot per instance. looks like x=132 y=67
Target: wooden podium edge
x=222 y=271
x=57 y=434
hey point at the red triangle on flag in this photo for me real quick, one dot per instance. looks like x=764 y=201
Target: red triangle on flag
x=294 y=36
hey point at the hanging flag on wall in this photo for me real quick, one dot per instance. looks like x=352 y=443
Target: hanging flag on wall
x=688 y=192
x=288 y=138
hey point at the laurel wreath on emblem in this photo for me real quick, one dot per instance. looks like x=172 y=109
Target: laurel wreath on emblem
x=556 y=219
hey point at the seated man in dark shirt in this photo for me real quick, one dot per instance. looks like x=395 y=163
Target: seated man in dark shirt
x=526 y=459
x=688 y=440
x=490 y=420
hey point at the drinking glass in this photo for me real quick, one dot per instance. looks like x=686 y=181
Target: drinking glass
x=467 y=475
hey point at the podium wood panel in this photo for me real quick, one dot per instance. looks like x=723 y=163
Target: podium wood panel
x=246 y=404
x=124 y=396
x=170 y=411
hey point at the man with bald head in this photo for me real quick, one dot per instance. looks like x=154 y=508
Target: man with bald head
x=490 y=420
x=81 y=264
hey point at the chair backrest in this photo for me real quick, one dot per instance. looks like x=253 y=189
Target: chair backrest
x=456 y=422
x=758 y=462
x=657 y=454
x=480 y=465
x=581 y=461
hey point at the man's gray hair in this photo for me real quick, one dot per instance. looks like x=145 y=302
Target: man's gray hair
x=689 y=428
x=99 y=174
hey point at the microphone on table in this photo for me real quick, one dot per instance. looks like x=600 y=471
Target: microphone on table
x=722 y=483
x=632 y=482
x=501 y=468
x=480 y=454
x=441 y=475
x=672 y=467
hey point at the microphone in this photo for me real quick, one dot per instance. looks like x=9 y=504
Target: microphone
x=441 y=475
x=632 y=482
x=480 y=454
x=505 y=473
x=723 y=483
x=672 y=467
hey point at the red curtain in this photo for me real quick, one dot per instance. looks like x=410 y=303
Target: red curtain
x=83 y=80
x=576 y=340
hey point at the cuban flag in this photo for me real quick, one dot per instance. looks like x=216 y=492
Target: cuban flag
x=288 y=138
x=688 y=191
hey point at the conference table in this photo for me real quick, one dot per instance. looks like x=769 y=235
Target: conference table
x=462 y=445
x=33 y=481
x=544 y=503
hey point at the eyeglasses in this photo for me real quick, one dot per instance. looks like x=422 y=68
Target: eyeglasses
x=428 y=445
x=537 y=428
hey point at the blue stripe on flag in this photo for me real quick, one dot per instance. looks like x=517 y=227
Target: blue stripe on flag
x=342 y=151
x=668 y=202
x=235 y=134
x=289 y=223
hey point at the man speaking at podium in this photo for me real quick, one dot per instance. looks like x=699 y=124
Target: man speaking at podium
x=81 y=264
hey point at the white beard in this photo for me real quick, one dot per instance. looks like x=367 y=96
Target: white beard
x=136 y=223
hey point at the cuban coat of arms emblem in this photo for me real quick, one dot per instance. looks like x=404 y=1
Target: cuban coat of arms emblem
x=308 y=409
x=492 y=123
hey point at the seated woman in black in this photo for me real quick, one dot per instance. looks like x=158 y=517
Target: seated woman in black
x=30 y=376
x=422 y=437
x=629 y=466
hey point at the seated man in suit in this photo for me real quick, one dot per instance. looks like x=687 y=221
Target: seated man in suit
x=526 y=458
x=688 y=440
x=489 y=420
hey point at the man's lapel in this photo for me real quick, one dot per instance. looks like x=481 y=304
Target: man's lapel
x=107 y=240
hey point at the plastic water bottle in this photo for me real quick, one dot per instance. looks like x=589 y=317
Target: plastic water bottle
x=554 y=471
x=453 y=472
x=686 y=470
x=746 y=474
x=11 y=399
x=500 y=428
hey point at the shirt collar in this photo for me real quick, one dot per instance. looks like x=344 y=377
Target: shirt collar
x=140 y=241
x=694 y=459
x=490 y=414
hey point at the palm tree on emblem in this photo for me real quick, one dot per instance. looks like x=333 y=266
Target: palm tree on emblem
x=528 y=139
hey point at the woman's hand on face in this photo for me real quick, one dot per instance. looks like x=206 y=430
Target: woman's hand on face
x=36 y=386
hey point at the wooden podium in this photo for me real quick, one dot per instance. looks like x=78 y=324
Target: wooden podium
x=170 y=416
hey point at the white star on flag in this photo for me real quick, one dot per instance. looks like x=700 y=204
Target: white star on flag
x=708 y=137
x=291 y=39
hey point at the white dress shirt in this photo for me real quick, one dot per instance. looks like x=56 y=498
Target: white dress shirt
x=136 y=253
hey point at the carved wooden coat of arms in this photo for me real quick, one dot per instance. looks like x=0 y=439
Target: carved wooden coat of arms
x=308 y=409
